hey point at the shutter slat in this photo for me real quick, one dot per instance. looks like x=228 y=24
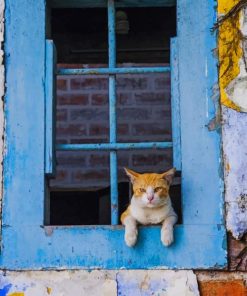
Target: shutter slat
x=50 y=108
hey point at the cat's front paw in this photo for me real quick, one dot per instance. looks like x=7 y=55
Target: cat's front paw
x=130 y=238
x=167 y=236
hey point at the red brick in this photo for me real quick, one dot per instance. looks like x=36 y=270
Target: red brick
x=97 y=83
x=86 y=140
x=61 y=175
x=134 y=113
x=71 y=160
x=123 y=159
x=162 y=82
x=71 y=130
x=83 y=176
x=62 y=84
x=99 y=160
x=89 y=114
x=78 y=66
x=98 y=130
x=149 y=92
x=152 y=98
x=125 y=99
x=162 y=113
x=223 y=288
x=150 y=159
x=144 y=129
x=72 y=99
x=61 y=115
x=61 y=141
x=133 y=83
x=123 y=129
x=99 y=99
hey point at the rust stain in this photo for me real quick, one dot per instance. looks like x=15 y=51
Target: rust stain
x=145 y=283
x=214 y=124
x=227 y=167
x=230 y=51
x=48 y=289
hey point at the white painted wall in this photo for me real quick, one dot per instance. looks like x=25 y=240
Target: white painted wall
x=235 y=147
x=100 y=283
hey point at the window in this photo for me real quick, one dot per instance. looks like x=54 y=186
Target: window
x=28 y=138
x=80 y=191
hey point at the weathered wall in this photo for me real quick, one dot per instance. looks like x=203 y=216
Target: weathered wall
x=233 y=91
x=99 y=283
x=122 y=283
x=168 y=283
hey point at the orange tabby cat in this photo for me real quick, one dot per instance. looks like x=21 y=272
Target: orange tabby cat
x=150 y=204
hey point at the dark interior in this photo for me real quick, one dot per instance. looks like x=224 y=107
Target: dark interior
x=80 y=35
x=94 y=208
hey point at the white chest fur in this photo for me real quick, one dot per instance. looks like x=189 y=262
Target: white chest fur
x=151 y=215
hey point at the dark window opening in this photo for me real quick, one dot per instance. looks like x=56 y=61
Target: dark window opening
x=80 y=191
x=86 y=207
x=143 y=35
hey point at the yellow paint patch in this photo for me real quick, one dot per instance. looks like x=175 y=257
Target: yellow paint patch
x=230 y=50
x=16 y=294
x=48 y=290
x=225 y=5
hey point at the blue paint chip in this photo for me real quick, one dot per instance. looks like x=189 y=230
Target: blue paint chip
x=5 y=290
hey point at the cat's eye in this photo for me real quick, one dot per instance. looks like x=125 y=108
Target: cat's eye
x=157 y=189
x=142 y=190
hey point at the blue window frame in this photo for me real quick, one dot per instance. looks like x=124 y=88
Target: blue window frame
x=26 y=242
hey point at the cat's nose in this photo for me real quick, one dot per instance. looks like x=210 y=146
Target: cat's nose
x=150 y=197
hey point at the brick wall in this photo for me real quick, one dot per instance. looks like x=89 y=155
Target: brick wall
x=143 y=112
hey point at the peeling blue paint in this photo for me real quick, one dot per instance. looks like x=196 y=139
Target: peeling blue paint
x=4 y=291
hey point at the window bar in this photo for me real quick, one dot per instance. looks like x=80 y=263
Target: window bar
x=114 y=146
x=113 y=70
x=112 y=111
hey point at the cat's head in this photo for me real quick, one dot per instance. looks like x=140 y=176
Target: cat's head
x=151 y=190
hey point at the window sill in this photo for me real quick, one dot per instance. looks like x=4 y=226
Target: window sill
x=87 y=247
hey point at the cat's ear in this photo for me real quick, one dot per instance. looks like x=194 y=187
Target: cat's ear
x=169 y=175
x=131 y=174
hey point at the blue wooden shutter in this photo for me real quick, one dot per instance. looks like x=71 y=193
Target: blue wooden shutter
x=175 y=104
x=202 y=178
x=50 y=108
